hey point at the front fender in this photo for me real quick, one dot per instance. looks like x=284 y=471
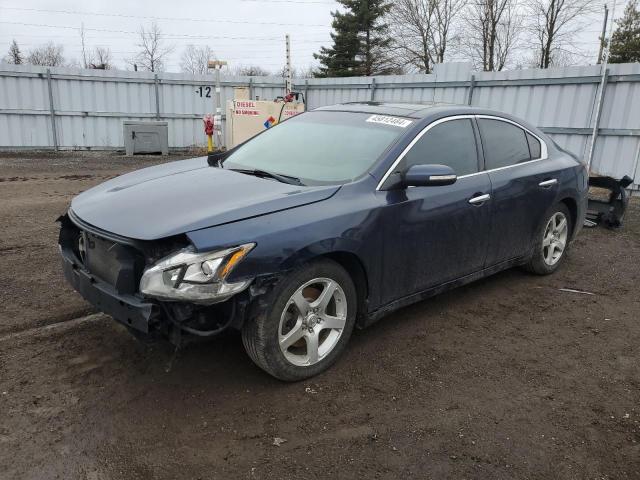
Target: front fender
x=289 y=238
x=321 y=248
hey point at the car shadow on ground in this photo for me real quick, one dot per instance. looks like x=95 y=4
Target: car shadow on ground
x=221 y=360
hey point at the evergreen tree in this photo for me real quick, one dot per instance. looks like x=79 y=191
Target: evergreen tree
x=625 y=41
x=15 y=55
x=360 y=40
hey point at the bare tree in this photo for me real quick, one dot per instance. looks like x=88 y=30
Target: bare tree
x=493 y=30
x=15 y=55
x=48 y=55
x=305 y=72
x=101 y=59
x=295 y=72
x=422 y=30
x=507 y=35
x=194 y=59
x=554 y=24
x=446 y=13
x=153 y=52
x=412 y=22
x=251 y=71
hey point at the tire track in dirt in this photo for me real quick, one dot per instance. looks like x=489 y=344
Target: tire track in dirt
x=53 y=326
x=62 y=177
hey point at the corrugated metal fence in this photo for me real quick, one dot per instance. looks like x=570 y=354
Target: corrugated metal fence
x=84 y=109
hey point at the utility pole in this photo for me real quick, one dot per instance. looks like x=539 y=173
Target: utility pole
x=288 y=67
x=84 y=52
x=604 y=31
x=217 y=119
x=603 y=83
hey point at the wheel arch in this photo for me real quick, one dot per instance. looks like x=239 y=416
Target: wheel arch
x=572 y=206
x=344 y=255
x=356 y=270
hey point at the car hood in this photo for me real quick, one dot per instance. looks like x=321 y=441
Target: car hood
x=183 y=196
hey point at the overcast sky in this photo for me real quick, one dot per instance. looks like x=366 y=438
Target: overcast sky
x=243 y=32
x=240 y=31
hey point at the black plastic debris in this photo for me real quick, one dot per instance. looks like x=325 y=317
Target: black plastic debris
x=608 y=210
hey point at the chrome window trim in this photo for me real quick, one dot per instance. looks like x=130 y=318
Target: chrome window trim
x=543 y=145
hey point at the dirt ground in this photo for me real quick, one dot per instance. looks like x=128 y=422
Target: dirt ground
x=506 y=378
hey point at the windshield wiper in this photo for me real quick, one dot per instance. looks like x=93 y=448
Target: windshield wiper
x=276 y=176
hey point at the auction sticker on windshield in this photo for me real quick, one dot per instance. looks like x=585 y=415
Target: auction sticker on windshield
x=393 y=121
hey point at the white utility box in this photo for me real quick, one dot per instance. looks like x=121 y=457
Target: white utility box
x=146 y=137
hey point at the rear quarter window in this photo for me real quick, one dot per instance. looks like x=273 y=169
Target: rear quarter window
x=534 y=146
x=503 y=143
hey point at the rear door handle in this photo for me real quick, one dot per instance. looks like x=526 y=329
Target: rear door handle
x=479 y=199
x=548 y=183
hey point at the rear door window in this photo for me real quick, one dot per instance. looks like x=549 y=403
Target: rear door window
x=450 y=143
x=504 y=144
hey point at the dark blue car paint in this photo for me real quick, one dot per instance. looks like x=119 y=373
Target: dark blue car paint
x=167 y=200
x=409 y=242
x=519 y=204
x=422 y=225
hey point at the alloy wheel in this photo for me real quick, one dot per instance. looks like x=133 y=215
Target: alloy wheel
x=554 y=240
x=312 y=321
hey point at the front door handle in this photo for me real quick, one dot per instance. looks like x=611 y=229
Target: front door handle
x=548 y=183
x=479 y=199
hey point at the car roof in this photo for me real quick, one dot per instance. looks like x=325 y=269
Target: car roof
x=409 y=110
x=426 y=112
x=413 y=110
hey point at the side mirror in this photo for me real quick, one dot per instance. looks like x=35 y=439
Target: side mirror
x=428 y=175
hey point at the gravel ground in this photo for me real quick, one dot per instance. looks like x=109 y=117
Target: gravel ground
x=505 y=378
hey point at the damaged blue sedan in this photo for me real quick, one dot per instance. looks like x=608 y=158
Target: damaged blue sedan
x=323 y=223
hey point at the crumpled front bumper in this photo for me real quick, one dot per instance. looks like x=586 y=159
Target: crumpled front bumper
x=129 y=310
x=106 y=271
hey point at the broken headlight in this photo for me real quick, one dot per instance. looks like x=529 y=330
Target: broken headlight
x=195 y=276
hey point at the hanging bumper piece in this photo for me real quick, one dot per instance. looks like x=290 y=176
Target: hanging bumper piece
x=607 y=206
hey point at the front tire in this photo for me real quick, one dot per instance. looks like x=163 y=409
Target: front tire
x=306 y=324
x=552 y=241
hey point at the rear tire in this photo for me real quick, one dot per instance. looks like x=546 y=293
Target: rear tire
x=551 y=241
x=304 y=323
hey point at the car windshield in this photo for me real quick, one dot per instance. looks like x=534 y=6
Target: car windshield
x=320 y=147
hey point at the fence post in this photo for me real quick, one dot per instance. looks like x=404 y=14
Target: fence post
x=472 y=84
x=52 y=111
x=372 y=86
x=306 y=93
x=156 y=83
x=596 y=124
